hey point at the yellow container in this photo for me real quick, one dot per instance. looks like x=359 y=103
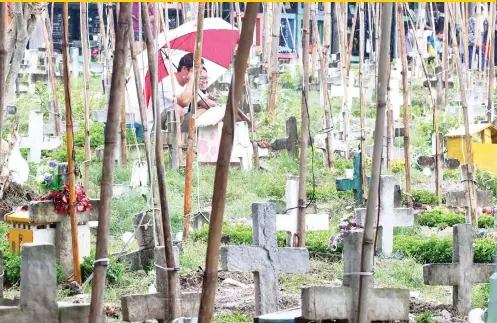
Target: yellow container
x=22 y=231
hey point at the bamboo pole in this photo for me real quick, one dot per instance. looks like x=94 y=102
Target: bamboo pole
x=314 y=56
x=403 y=60
x=172 y=280
x=389 y=118
x=327 y=108
x=304 y=133
x=361 y=100
x=3 y=69
x=191 y=125
x=51 y=70
x=86 y=91
x=275 y=43
x=491 y=58
x=111 y=137
x=469 y=153
x=70 y=145
x=445 y=56
x=367 y=253
x=124 y=144
x=223 y=164
x=103 y=47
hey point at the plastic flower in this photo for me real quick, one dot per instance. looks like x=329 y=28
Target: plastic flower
x=52 y=164
x=353 y=222
x=47 y=179
x=40 y=178
x=343 y=225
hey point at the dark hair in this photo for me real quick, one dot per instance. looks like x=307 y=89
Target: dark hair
x=203 y=68
x=187 y=61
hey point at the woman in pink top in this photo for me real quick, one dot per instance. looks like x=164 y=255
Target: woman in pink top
x=135 y=14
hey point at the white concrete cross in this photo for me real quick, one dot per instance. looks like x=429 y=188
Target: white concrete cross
x=38 y=301
x=265 y=259
x=462 y=273
x=288 y=222
x=340 y=303
x=35 y=140
x=390 y=216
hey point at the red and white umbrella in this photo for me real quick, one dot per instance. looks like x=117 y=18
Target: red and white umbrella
x=218 y=45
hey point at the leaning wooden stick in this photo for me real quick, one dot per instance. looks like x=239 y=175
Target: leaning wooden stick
x=86 y=91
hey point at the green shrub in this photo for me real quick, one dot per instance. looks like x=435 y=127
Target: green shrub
x=439 y=216
x=12 y=268
x=326 y=193
x=115 y=272
x=485 y=221
x=451 y=175
x=434 y=250
x=97 y=138
x=424 y=197
x=342 y=164
x=424 y=318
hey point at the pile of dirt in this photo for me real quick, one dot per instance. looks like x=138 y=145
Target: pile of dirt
x=16 y=195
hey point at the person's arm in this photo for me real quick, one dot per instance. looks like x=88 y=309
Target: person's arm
x=186 y=97
x=206 y=103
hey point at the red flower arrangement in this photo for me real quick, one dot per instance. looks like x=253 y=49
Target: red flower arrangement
x=61 y=200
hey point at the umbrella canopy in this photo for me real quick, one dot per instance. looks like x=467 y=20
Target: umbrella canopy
x=218 y=45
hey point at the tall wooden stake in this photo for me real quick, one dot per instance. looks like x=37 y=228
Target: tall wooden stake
x=124 y=144
x=266 y=37
x=361 y=100
x=70 y=145
x=223 y=164
x=51 y=69
x=111 y=139
x=3 y=69
x=161 y=174
x=304 y=133
x=314 y=56
x=275 y=44
x=389 y=118
x=403 y=60
x=491 y=58
x=372 y=203
x=445 y=56
x=464 y=103
x=86 y=90
x=327 y=108
x=191 y=125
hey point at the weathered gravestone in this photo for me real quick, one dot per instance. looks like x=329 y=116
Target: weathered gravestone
x=142 y=307
x=265 y=259
x=462 y=273
x=355 y=182
x=456 y=199
x=35 y=140
x=288 y=222
x=49 y=127
x=438 y=84
x=390 y=216
x=340 y=303
x=39 y=291
x=291 y=143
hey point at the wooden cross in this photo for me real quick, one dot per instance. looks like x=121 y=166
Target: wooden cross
x=35 y=140
x=291 y=143
x=354 y=183
x=265 y=259
x=340 y=303
x=390 y=216
x=38 y=301
x=462 y=273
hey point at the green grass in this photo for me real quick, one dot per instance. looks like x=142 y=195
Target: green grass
x=235 y=317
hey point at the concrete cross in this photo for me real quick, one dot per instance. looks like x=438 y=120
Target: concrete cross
x=142 y=307
x=462 y=273
x=265 y=259
x=39 y=291
x=456 y=199
x=49 y=127
x=354 y=183
x=44 y=212
x=35 y=140
x=390 y=216
x=340 y=303
x=288 y=222
x=291 y=143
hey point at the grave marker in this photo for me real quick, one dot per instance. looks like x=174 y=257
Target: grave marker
x=265 y=259
x=390 y=216
x=462 y=273
x=35 y=140
x=340 y=303
x=144 y=256
x=288 y=222
x=39 y=291
x=354 y=183
x=291 y=143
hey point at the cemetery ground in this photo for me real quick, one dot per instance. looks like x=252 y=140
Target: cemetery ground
x=429 y=241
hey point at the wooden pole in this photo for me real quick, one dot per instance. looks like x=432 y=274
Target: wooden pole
x=111 y=139
x=389 y=118
x=124 y=144
x=191 y=125
x=70 y=145
x=275 y=43
x=403 y=60
x=491 y=58
x=469 y=153
x=266 y=37
x=103 y=47
x=304 y=133
x=445 y=56
x=161 y=174
x=86 y=91
x=327 y=108
x=3 y=69
x=314 y=54
x=51 y=69
x=362 y=99
x=372 y=203
x=223 y=164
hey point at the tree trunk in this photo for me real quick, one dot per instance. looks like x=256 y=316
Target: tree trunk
x=275 y=42
x=3 y=68
x=86 y=89
x=223 y=164
x=367 y=247
x=304 y=133
x=191 y=124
